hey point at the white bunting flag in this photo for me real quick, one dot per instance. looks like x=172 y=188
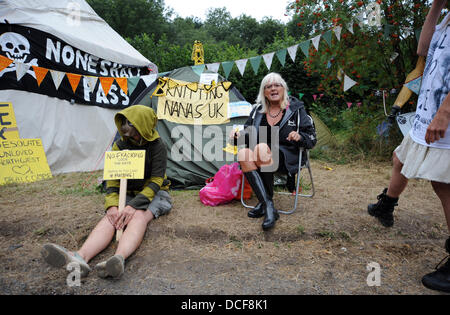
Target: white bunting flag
x=350 y=27
x=268 y=59
x=57 y=77
x=91 y=82
x=214 y=67
x=337 y=32
x=316 y=41
x=149 y=79
x=348 y=83
x=240 y=64
x=21 y=69
x=292 y=51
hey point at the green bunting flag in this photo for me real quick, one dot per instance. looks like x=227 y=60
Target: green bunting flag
x=305 y=47
x=417 y=33
x=132 y=83
x=327 y=37
x=227 y=66
x=198 y=69
x=300 y=95
x=255 y=62
x=281 y=54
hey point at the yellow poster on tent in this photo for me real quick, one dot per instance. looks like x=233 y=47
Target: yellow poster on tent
x=8 y=125
x=23 y=161
x=192 y=103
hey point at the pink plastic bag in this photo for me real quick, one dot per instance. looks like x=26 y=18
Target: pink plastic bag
x=224 y=187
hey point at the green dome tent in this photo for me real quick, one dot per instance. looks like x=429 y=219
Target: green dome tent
x=195 y=150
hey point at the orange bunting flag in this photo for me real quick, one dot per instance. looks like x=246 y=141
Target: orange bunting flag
x=74 y=80
x=106 y=84
x=4 y=62
x=40 y=74
x=123 y=83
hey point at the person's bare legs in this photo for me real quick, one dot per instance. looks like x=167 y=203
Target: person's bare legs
x=134 y=233
x=398 y=182
x=442 y=190
x=98 y=240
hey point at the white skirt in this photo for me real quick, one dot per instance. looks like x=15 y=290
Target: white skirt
x=420 y=161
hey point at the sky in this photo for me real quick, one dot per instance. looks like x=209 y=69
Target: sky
x=254 y=8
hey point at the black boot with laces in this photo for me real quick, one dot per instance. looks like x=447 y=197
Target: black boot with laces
x=383 y=210
x=440 y=279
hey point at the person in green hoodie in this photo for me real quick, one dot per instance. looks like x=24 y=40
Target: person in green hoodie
x=147 y=199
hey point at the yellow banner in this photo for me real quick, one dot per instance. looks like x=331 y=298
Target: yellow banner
x=128 y=164
x=23 y=161
x=8 y=125
x=192 y=103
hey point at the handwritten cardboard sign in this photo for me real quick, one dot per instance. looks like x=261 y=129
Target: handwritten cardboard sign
x=182 y=103
x=23 y=161
x=8 y=125
x=128 y=164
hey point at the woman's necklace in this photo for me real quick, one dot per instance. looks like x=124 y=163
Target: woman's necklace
x=274 y=116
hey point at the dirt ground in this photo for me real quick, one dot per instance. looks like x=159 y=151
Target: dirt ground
x=323 y=248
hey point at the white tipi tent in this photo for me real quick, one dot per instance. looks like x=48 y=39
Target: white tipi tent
x=69 y=109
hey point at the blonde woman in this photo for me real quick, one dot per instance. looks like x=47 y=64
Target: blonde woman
x=275 y=130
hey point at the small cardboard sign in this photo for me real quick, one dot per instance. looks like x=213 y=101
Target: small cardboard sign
x=8 y=125
x=23 y=161
x=127 y=164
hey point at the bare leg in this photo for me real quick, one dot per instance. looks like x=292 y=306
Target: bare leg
x=246 y=160
x=134 y=233
x=98 y=240
x=443 y=192
x=398 y=182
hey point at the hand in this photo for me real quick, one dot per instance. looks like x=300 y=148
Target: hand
x=125 y=217
x=294 y=136
x=112 y=214
x=436 y=130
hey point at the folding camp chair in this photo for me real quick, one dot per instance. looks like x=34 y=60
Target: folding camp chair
x=297 y=186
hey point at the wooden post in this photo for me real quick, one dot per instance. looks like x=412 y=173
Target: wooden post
x=122 y=201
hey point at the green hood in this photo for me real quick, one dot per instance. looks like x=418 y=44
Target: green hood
x=142 y=117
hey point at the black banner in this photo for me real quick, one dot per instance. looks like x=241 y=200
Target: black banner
x=36 y=48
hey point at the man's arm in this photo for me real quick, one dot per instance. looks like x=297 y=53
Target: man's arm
x=438 y=126
x=429 y=26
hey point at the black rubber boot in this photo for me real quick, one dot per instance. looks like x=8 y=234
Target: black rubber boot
x=267 y=179
x=257 y=184
x=440 y=279
x=383 y=210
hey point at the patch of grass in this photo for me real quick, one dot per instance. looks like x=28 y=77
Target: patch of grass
x=300 y=229
x=326 y=234
x=82 y=190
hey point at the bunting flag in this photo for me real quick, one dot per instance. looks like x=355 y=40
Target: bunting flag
x=327 y=36
x=21 y=69
x=91 y=82
x=57 y=77
x=132 y=84
x=337 y=31
x=149 y=79
x=255 y=62
x=349 y=104
x=214 y=67
x=123 y=84
x=414 y=85
x=106 y=83
x=300 y=95
x=350 y=27
x=198 y=69
x=281 y=55
x=304 y=46
x=4 y=62
x=227 y=66
x=268 y=59
x=240 y=64
x=40 y=74
x=316 y=41
x=74 y=80
x=292 y=52
x=348 y=82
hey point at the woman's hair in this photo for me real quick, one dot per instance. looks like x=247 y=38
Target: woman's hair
x=270 y=79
